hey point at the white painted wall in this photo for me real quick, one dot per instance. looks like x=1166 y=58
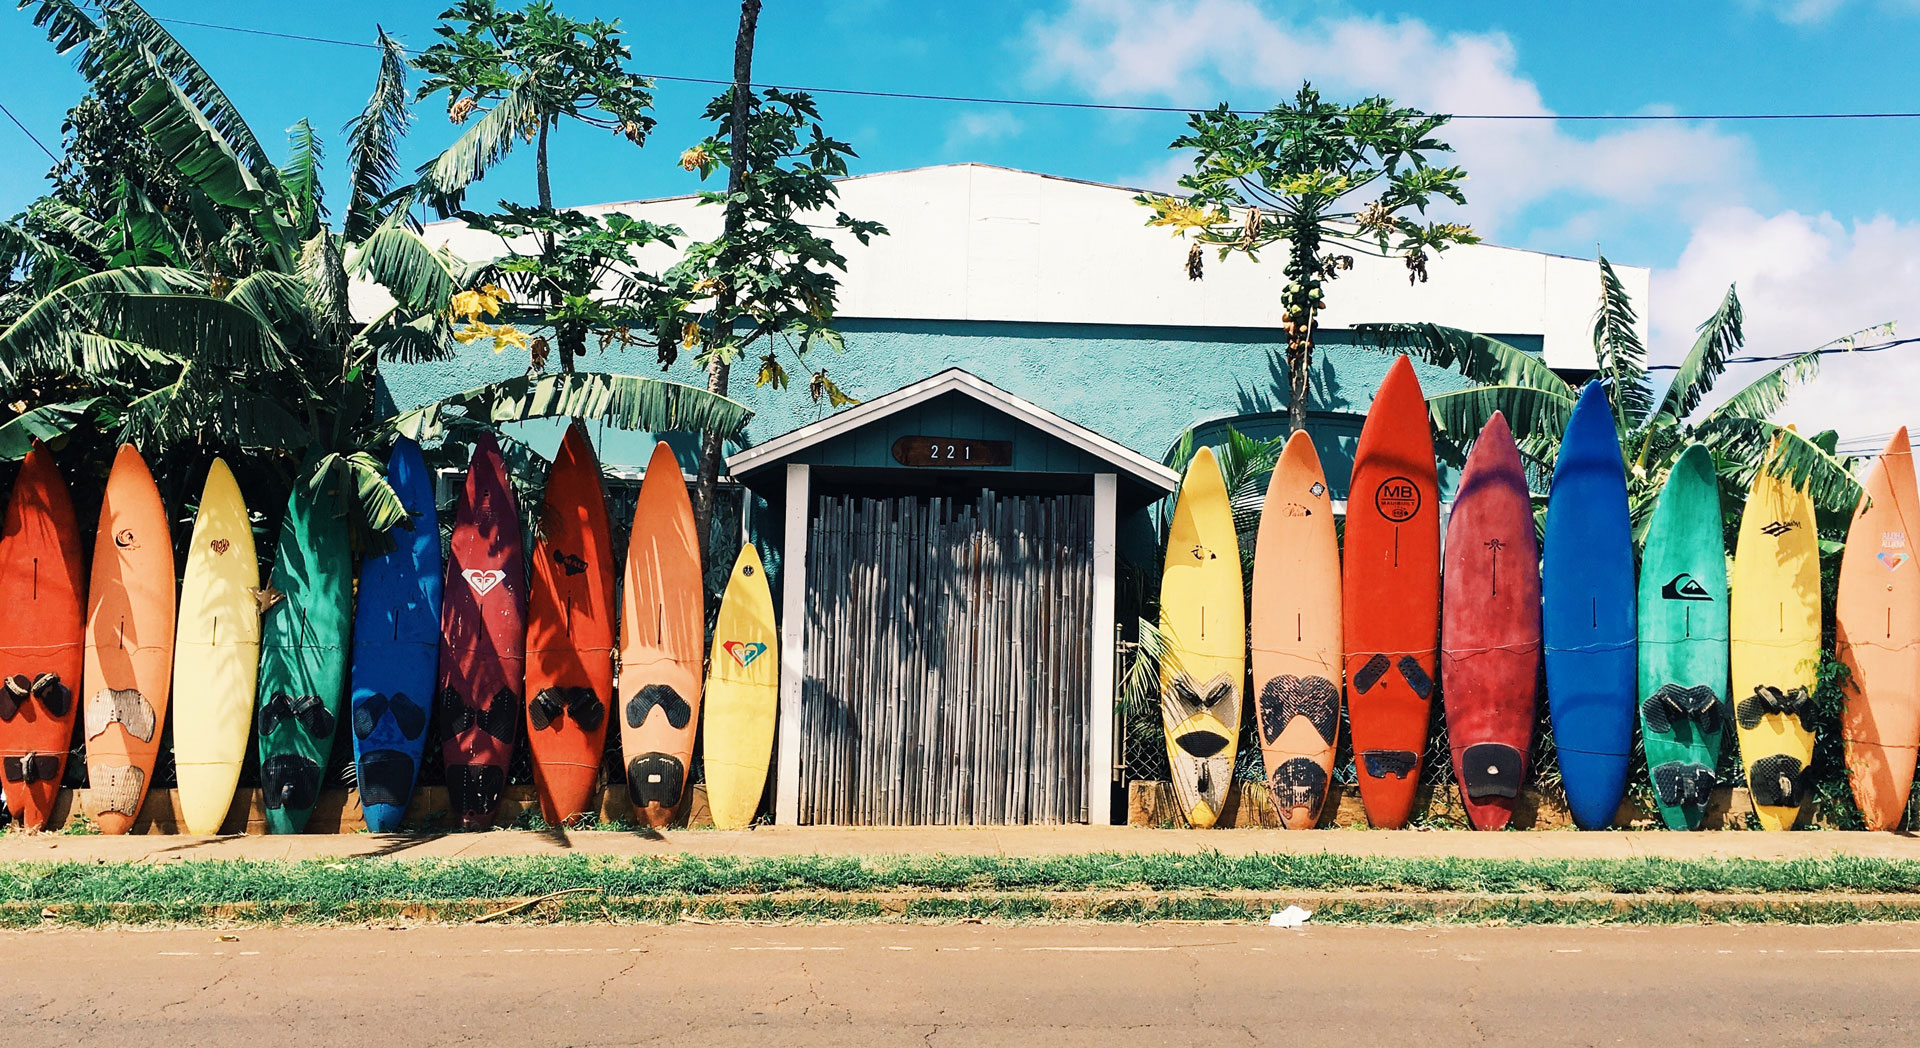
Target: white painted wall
x=973 y=242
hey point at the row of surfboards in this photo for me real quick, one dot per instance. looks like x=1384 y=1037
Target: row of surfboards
x=1389 y=626
x=491 y=645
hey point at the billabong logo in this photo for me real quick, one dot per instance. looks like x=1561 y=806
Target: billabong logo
x=1684 y=587
x=744 y=651
x=1893 y=560
x=483 y=582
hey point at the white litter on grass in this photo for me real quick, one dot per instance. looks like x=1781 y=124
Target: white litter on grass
x=1291 y=917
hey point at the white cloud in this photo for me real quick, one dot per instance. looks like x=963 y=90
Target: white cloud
x=1804 y=280
x=1190 y=54
x=989 y=126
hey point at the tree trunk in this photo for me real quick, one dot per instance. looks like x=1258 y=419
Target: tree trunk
x=718 y=370
x=1299 y=373
x=551 y=295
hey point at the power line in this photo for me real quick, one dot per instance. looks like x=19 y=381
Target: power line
x=1040 y=103
x=28 y=132
x=1877 y=347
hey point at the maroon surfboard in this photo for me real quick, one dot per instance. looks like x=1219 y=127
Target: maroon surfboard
x=483 y=640
x=1490 y=628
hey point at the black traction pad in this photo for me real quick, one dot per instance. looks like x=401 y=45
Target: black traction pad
x=655 y=778
x=663 y=696
x=1287 y=696
x=10 y=699
x=1397 y=764
x=1767 y=699
x=1682 y=784
x=1491 y=769
x=581 y=704
x=289 y=780
x=1205 y=696
x=32 y=767
x=1672 y=704
x=1776 y=781
x=407 y=714
x=385 y=777
x=474 y=790
x=500 y=719
x=53 y=694
x=1416 y=676
x=1370 y=674
x=1202 y=743
x=1298 y=782
x=308 y=711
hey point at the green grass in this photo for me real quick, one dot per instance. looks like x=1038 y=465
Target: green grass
x=336 y=883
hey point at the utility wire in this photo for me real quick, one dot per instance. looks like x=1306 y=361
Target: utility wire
x=1877 y=347
x=28 y=132
x=1039 y=103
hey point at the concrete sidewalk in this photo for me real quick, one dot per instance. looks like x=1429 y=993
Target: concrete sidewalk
x=1012 y=841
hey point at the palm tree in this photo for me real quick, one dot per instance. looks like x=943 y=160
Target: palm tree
x=1655 y=425
x=233 y=331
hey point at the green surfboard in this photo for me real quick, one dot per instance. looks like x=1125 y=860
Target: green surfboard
x=304 y=640
x=1683 y=640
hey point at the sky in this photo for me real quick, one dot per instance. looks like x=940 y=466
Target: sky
x=1816 y=222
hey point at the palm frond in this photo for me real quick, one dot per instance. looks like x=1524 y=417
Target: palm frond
x=393 y=336
x=622 y=401
x=231 y=332
x=1154 y=657
x=48 y=422
x=144 y=42
x=68 y=26
x=1538 y=417
x=1753 y=444
x=373 y=141
x=195 y=147
x=1245 y=465
x=443 y=181
x=1719 y=337
x=379 y=505
x=323 y=276
x=300 y=176
x=399 y=260
x=48 y=336
x=1765 y=395
x=1621 y=354
x=1481 y=359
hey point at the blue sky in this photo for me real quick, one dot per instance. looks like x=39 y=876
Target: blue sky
x=1817 y=221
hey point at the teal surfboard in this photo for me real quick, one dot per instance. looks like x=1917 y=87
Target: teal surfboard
x=304 y=638
x=1683 y=640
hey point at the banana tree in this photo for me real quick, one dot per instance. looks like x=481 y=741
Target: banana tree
x=1655 y=424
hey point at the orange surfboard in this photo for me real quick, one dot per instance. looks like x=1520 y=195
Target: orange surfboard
x=40 y=653
x=129 y=660
x=1390 y=598
x=662 y=641
x=570 y=633
x=1296 y=634
x=1877 y=634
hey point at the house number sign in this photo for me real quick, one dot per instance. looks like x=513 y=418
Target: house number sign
x=952 y=451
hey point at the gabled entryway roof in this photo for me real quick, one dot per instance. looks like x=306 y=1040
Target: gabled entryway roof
x=962 y=406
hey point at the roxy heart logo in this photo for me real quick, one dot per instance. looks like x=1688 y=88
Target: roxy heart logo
x=744 y=651
x=483 y=582
x=1893 y=560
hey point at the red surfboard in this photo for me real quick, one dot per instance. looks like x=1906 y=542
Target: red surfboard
x=570 y=633
x=1490 y=632
x=1390 y=596
x=43 y=648
x=483 y=636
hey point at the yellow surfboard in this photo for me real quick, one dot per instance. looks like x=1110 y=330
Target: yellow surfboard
x=1775 y=627
x=743 y=695
x=1203 y=619
x=216 y=655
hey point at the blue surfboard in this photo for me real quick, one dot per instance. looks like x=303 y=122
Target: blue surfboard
x=396 y=648
x=1588 y=619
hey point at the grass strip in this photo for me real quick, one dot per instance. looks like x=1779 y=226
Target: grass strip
x=334 y=883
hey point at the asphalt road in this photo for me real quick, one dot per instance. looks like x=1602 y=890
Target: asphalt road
x=1052 y=985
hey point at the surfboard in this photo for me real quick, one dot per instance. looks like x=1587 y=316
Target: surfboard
x=304 y=640
x=1588 y=612
x=570 y=633
x=743 y=685
x=1877 y=635
x=1774 y=622
x=1390 y=596
x=396 y=647
x=216 y=655
x=41 y=652
x=1683 y=640
x=1295 y=632
x=483 y=637
x=1490 y=628
x=1203 y=621
x=129 y=654
x=662 y=631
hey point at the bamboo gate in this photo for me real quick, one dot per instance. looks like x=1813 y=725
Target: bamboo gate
x=948 y=673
